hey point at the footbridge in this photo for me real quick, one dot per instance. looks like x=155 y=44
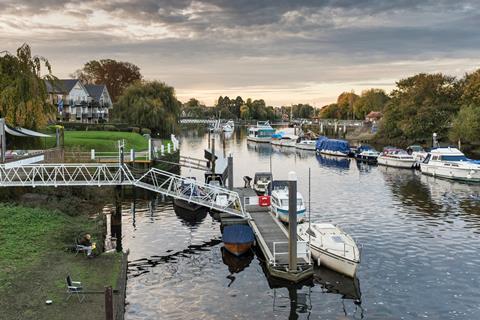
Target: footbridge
x=98 y=175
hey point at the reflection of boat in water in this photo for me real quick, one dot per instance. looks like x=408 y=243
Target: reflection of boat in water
x=238 y=238
x=333 y=162
x=236 y=264
x=190 y=217
x=337 y=283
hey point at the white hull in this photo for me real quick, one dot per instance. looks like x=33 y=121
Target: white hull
x=450 y=172
x=397 y=163
x=303 y=146
x=283 y=143
x=259 y=139
x=334 y=153
x=334 y=262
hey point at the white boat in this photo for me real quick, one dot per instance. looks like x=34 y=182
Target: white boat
x=417 y=152
x=450 y=163
x=279 y=205
x=229 y=126
x=306 y=145
x=286 y=140
x=331 y=247
x=262 y=132
x=398 y=158
x=261 y=182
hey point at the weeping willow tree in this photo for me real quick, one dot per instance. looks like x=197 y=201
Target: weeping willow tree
x=23 y=92
x=151 y=105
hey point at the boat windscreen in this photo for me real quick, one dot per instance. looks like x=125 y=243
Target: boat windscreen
x=454 y=158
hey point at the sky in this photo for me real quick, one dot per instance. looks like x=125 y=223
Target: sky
x=286 y=52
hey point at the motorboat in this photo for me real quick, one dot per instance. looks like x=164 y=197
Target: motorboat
x=279 y=203
x=229 y=126
x=193 y=192
x=306 y=145
x=333 y=147
x=417 y=152
x=262 y=132
x=367 y=154
x=286 y=140
x=450 y=163
x=331 y=247
x=261 y=182
x=394 y=157
x=238 y=238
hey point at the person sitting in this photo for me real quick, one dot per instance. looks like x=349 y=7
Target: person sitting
x=87 y=244
x=247 y=181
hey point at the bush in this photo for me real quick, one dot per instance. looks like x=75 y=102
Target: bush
x=135 y=129
x=109 y=127
x=145 y=131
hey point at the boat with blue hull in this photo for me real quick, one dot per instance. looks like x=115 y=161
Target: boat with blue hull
x=238 y=238
x=333 y=147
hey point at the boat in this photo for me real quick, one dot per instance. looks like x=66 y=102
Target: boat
x=238 y=238
x=261 y=182
x=190 y=217
x=418 y=153
x=286 y=140
x=394 y=157
x=189 y=189
x=451 y=163
x=262 y=132
x=333 y=147
x=367 y=154
x=229 y=126
x=306 y=145
x=279 y=202
x=331 y=247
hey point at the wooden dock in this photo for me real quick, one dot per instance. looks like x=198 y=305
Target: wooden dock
x=272 y=239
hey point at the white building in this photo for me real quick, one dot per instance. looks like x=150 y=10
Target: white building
x=81 y=103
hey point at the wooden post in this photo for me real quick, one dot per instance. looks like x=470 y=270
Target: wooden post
x=108 y=303
x=213 y=156
x=292 y=221
x=230 y=171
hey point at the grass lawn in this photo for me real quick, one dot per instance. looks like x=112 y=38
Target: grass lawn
x=34 y=264
x=101 y=141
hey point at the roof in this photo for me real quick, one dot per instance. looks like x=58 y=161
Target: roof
x=95 y=90
x=374 y=114
x=447 y=151
x=61 y=85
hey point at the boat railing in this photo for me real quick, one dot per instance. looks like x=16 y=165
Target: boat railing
x=303 y=251
x=345 y=247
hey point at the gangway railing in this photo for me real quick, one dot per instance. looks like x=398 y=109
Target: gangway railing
x=91 y=174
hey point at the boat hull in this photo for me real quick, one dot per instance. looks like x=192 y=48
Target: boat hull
x=187 y=205
x=260 y=139
x=368 y=159
x=282 y=215
x=397 y=163
x=334 y=262
x=303 y=146
x=238 y=249
x=334 y=153
x=281 y=143
x=465 y=174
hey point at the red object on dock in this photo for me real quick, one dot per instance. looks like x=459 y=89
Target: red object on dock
x=264 y=201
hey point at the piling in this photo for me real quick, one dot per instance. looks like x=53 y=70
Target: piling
x=108 y=303
x=230 y=172
x=213 y=156
x=292 y=221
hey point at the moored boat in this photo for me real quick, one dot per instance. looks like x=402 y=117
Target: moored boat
x=333 y=147
x=367 y=154
x=279 y=203
x=229 y=126
x=262 y=132
x=238 y=238
x=417 y=152
x=306 y=145
x=286 y=140
x=331 y=247
x=393 y=157
x=450 y=163
x=261 y=182
x=190 y=190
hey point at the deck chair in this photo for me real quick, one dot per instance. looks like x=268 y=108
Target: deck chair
x=79 y=248
x=75 y=288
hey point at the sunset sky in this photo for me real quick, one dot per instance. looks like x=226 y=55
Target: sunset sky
x=285 y=52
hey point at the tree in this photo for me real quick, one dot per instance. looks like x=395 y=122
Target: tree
x=345 y=102
x=23 y=92
x=331 y=111
x=370 y=100
x=116 y=75
x=466 y=125
x=303 y=111
x=419 y=106
x=151 y=105
x=244 y=112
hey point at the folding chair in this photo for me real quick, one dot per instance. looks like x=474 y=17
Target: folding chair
x=75 y=288
x=80 y=248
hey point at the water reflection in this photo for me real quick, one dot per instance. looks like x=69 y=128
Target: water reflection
x=236 y=264
x=340 y=163
x=189 y=217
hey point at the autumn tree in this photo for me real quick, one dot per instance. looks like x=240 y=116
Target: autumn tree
x=116 y=75
x=150 y=105
x=345 y=102
x=370 y=100
x=23 y=92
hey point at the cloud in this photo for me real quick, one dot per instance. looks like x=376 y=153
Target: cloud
x=291 y=49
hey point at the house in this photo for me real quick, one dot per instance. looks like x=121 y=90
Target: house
x=77 y=102
x=373 y=116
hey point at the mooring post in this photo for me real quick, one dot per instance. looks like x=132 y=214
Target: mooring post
x=57 y=137
x=3 y=140
x=292 y=221
x=108 y=303
x=230 y=171
x=213 y=156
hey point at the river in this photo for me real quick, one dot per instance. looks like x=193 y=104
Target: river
x=420 y=238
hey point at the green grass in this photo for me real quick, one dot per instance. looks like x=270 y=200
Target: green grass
x=34 y=264
x=102 y=141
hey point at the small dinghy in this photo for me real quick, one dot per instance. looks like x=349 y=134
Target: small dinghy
x=331 y=247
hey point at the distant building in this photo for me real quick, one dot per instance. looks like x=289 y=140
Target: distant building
x=79 y=103
x=373 y=116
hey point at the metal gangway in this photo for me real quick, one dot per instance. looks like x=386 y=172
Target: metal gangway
x=93 y=174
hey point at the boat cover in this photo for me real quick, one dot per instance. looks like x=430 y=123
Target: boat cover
x=237 y=233
x=333 y=145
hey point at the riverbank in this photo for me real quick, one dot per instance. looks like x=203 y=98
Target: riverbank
x=34 y=261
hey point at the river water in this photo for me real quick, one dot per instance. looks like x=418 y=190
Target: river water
x=420 y=238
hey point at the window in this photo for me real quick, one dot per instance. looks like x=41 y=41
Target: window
x=454 y=158
x=284 y=203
